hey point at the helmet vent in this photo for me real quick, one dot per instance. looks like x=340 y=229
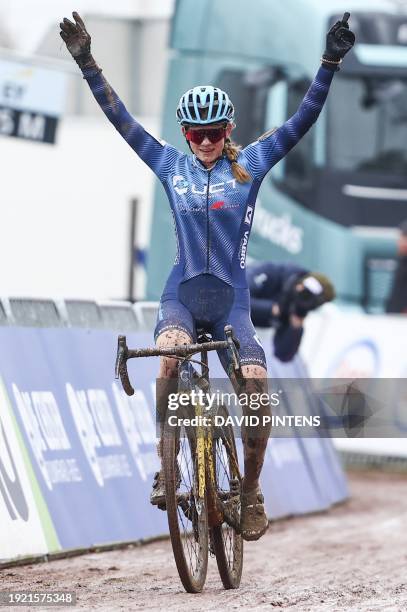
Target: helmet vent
x=204 y=105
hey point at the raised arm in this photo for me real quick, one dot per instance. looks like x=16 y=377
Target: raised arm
x=158 y=155
x=263 y=154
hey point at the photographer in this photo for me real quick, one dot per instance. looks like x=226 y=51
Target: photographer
x=281 y=296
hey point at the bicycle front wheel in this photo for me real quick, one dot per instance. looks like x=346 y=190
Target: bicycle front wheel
x=186 y=508
x=227 y=542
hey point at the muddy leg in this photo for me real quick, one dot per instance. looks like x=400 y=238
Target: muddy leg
x=254 y=438
x=167 y=381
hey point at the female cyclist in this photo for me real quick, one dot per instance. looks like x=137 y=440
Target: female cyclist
x=212 y=194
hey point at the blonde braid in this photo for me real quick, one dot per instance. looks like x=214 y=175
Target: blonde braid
x=231 y=150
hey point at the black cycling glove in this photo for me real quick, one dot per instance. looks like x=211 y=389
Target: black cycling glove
x=339 y=40
x=77 y=40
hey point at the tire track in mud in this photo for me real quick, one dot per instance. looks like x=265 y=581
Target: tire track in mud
x=353 y=557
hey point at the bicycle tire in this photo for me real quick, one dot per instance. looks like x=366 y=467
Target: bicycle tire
x=227 y=543
x=192 y=572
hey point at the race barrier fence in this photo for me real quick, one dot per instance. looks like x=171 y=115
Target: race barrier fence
x=350 y=344
x=77 y=455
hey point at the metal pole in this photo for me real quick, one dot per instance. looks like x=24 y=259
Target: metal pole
x=132 y=251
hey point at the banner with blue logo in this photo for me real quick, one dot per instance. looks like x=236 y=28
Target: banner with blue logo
x=84 y=453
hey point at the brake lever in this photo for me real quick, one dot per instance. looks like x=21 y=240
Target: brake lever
x=230 y=334
x=121 y=365
x=234 y=345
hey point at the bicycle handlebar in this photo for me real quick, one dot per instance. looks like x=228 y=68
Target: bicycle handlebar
x=185 y=350
x=121 y=365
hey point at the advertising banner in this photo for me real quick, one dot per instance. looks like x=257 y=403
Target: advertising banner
x=31 y=100
x=24 y=523
x=353 y=345
x=77 y=455
x=91 y=447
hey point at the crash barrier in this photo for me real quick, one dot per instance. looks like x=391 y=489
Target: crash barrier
x=350 y=344
x=77 y=455
x=361 y=460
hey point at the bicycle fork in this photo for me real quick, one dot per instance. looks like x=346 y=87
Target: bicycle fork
x=206 y=471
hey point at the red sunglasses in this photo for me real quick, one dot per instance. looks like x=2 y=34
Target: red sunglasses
x=198 y=136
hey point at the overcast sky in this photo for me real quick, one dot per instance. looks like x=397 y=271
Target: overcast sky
x=26 y=21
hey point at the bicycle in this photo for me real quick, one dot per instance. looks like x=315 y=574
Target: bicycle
x=201 y=469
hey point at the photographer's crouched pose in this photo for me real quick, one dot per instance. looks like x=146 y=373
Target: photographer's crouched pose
x=281 y=296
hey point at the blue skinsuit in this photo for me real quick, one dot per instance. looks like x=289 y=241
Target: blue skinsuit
x=213 y=214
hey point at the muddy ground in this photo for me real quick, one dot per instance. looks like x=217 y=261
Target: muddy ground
x=353 y=557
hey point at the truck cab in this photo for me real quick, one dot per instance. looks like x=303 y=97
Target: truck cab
x=335 y=201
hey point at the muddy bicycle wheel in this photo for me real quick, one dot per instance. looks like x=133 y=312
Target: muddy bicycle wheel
x=227 y=543
x=186 y=511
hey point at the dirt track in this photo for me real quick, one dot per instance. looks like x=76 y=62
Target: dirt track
x=351 y=558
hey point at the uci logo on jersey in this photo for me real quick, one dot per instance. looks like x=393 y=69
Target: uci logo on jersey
x=180 y=184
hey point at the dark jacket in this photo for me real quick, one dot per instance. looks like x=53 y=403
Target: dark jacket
x=266 y=281
x=397 y=302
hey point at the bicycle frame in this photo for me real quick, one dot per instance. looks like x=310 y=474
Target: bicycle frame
x=204 y=435
x=217 y=510
x=212 y=495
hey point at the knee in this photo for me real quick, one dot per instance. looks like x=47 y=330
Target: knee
x=254 y=380
x=254 y=371
x=173 y=337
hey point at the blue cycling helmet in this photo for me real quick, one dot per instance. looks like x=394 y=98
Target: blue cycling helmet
x=203 y=105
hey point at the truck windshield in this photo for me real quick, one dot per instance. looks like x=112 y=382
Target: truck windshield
x=367 y=125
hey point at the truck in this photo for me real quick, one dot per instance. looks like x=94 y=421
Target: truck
x=334 y=203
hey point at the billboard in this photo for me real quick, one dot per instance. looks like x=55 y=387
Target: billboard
x=31 y=100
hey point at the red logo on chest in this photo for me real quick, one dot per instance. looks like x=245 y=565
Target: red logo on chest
x=218 y=204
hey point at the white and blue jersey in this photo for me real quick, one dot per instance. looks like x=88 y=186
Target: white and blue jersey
x=213 y=215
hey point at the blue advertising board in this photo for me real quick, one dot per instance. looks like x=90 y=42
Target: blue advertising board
x=92 y=449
